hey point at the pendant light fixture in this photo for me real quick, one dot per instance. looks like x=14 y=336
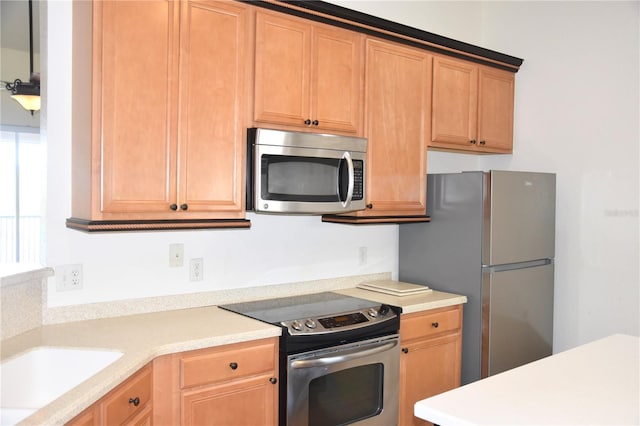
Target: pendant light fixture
x=27 y=94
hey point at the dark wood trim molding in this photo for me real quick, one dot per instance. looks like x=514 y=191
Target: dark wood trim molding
x=372 y=220
x=331 y=14
x=153 y=225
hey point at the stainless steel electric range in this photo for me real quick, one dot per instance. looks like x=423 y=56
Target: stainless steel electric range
x=339 y=358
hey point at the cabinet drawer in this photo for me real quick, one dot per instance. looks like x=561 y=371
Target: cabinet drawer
x=428 y=323
x=128 y=399
x=227 y=363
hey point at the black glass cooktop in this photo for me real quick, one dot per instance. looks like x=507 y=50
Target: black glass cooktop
x=314 y=305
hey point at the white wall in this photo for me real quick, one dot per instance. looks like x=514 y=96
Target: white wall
x=576 y=115
x=577 y=96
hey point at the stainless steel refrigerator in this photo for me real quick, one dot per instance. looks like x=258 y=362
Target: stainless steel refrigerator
x=491 y=238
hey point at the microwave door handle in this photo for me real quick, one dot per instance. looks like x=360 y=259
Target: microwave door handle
x=347 y=157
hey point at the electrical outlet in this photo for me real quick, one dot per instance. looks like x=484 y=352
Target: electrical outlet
x=68 y=277
x=176 y=255
x=196 y=273
x=362 y=256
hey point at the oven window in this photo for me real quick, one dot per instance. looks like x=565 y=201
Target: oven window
x=346 y=396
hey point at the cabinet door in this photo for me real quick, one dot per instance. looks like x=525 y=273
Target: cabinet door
x=282 y=69
x=495 y=110
x=397 y=107
x=336 y=80
x=427 y=367
x=455 y=103
x=135 y=52
x=213 y=62
x=247 y=402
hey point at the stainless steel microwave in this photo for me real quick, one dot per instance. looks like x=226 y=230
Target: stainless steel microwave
x=306 y=173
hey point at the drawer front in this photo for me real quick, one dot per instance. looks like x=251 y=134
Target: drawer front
x=227 y=363
x=128 y=399
x=429 y=323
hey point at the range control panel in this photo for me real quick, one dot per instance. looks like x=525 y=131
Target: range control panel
x=340 y=322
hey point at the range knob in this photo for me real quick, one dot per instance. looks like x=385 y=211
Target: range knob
x=296 y=325
x=310 y=323
x=372 y=312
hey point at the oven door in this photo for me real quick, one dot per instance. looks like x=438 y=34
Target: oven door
x=355 y=383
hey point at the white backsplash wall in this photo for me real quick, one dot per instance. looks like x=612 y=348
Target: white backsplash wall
x=276 y=250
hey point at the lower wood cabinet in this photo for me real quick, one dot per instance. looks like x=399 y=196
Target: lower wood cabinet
x=233 y=384
x=128 y=404
x=431 y=357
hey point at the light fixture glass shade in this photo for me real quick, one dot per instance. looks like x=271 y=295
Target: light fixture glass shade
x=28 y=102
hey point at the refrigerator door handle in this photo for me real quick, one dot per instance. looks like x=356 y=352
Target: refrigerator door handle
x=519 y=265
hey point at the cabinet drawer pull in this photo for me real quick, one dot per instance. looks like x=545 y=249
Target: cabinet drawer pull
x=273 y=380
x=405 y=350
x=173 y=207
x=307 y=122
x=135 y=401
x=233 y=365
x=434 y=324
x=184 y=206
x=369 y=206
x=315 y=122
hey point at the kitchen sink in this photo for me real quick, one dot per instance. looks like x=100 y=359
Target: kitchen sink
x=34 y=379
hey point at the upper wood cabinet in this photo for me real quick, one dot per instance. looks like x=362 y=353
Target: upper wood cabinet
x=168 y=130
x=472 y=107
x=398 y=96
x=308 y=76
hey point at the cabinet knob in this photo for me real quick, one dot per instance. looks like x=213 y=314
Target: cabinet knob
x=184 y=206
x=135 y=401
x=273 y=380
x=233 y=365
x=472 y=141
x=315 y=122
x=369 y=206
x=405 y=350
x=434 y=324
x=173 y=207
x=483 y=142
x=307 y=122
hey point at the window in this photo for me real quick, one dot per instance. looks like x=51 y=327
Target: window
x=22 y=193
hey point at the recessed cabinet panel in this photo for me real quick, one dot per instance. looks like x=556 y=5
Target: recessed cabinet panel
x=336 y=89
x=136 y=136
x=283 y=47
x=398 y=94
x=455 y=88
x=211 y=122
x=495 y=108
x=308 y=76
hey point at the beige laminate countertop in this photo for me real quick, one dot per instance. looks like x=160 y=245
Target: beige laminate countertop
x=143 y=337
x=140 y=338
x=409 y=304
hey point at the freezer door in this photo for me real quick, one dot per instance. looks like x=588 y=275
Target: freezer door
x=519 y=217
x=517 y=317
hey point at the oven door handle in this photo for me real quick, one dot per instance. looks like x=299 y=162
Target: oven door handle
x=348 y=356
